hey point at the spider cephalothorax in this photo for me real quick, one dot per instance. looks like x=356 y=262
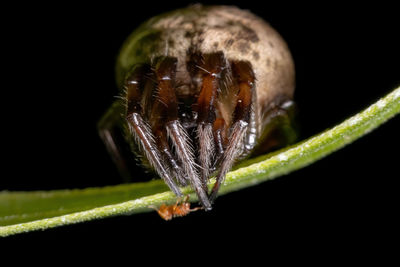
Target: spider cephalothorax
x=202 y=87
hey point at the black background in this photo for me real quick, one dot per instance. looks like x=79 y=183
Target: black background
x=60 y=79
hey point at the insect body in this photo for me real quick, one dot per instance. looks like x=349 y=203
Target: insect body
x=201 y=88
x=177 y=210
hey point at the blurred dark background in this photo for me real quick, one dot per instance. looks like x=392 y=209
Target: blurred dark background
x=60 y=79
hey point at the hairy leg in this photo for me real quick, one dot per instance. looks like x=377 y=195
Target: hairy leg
x=211 y=67
x=165 y=116
x=243 y=74
x=135 y=85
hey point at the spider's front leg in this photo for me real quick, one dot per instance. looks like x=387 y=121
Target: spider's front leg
x=109 y=129
x=212 y=66
x=135 y=86
x=245 y=79
x=165 y=123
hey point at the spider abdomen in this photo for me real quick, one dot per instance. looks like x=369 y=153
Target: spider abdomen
x=239 y=34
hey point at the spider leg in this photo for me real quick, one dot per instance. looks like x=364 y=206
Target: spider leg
x=212 y=66
x=162 y=143
x=243 y=73
x=220 y=139
x=109 y=127
x=165 y=114
x=139 y=127
x=279 y=128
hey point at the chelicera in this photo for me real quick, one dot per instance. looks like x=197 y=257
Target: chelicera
x=201 y=88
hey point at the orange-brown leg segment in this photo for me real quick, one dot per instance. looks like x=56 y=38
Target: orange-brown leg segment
x=212 y=67
x=165 y=116
x=135 y=85
x=243 y=74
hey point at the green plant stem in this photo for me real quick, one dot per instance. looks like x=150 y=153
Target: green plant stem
x=28 y=211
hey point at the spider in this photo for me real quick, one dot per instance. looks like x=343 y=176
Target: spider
x=201 y=88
